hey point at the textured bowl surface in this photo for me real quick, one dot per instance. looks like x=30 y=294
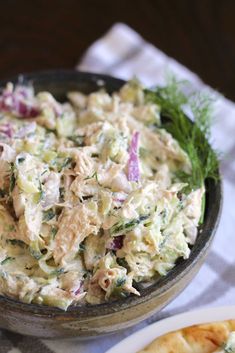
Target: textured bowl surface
x=89 y=321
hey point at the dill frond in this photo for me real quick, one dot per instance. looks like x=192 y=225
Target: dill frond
x=193 y=137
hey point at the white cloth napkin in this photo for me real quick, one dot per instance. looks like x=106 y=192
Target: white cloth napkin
x=123 y=53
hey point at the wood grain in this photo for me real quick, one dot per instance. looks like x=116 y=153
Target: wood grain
x=48 y=34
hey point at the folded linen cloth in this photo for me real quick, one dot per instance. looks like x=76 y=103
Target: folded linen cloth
x=123 y=53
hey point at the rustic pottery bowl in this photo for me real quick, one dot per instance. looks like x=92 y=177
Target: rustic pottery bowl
x=89 y=321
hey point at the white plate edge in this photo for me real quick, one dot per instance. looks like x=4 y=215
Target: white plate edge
x=141 y=338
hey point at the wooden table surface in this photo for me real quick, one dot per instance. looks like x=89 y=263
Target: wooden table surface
x=36 y=35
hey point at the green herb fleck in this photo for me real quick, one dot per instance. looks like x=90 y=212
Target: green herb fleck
x=10 y=228
x=44 y=172
x=118 y=292
x=48 y=215
x=37 y=255
x=94 y=175
x=163 y=215
x=122 y=227
x=40 y=195
x=120 y=282
x=143 y=152
x=12 y=177
x=82 y=247
x=77 y=140
x=57 y=272
x=122 y=262
x=7 y=260
x=66 y=162
x=35 y=251
x=3 y=193
x=62 y=193
x=54 y=230
x=21 y=160
x=16 y=242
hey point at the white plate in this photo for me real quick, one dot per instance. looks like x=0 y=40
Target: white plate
x=141 y=338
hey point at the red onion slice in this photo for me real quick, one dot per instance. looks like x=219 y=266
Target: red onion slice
x=116 y=243
x=79 y=289
x=18 y=102
x=133 y=163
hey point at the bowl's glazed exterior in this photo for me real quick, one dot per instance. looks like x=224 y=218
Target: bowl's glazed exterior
x=89 y=321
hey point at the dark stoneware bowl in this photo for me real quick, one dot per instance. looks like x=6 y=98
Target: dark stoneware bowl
x=89 y=321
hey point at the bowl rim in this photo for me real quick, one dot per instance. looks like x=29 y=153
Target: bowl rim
x=158 y=287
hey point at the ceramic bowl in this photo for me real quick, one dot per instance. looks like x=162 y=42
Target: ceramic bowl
x=89 y=321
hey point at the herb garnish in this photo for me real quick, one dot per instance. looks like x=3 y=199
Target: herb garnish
x=192 y=137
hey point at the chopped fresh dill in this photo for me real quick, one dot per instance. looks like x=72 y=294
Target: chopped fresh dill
x=40 y=195
x=21 y=160
x=120 y=281
x=54 y=230
x=66 y=162
x=127 y=226
x=78 y=140
x=82 y=247
x=16 y=242
x=12 y=177
x=48 y=215
x=122 y=262
x=193 y=138
x=94 y=175
x=62 y=192
x=63 y=163
x=7 y=260
x=56 y=272
x=36 y=253
x=44 y=172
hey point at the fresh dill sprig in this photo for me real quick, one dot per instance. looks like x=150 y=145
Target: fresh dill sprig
x=12 y=177
x=193 y=138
